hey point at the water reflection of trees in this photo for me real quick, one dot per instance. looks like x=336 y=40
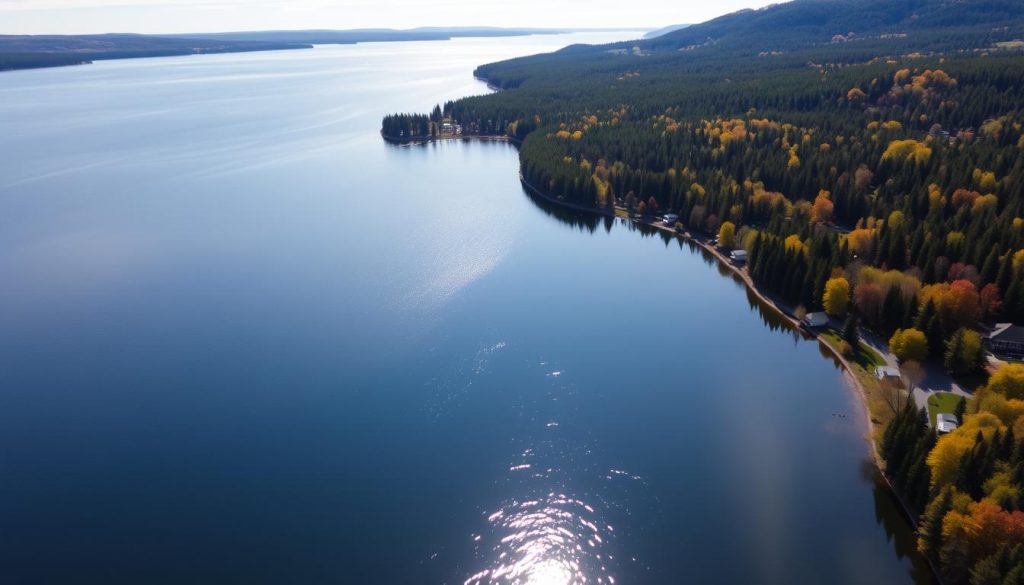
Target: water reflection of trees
x=583 y=221
x=898 y=528
x=590 y=222
x=888 y=512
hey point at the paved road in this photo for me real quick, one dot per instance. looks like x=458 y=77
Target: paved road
x=936 y=379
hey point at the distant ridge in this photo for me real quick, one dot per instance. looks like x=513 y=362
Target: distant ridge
x=665 y=30
x=819 y=21
x=370 y=35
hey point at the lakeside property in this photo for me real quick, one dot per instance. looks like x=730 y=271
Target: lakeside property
x=870 y=179
x=888 y=393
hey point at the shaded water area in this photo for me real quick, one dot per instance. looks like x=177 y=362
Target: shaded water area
x=243 y=340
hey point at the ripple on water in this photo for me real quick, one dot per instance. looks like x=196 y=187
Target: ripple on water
x=555 y=539
x=552 y=534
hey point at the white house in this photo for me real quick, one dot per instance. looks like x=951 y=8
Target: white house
x=888 y=374
x=738 y=256
x=945 y=423
x=670 y=219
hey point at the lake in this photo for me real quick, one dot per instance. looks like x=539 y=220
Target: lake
x=243 y=340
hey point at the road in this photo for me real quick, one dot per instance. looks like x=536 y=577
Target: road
x=936 y=379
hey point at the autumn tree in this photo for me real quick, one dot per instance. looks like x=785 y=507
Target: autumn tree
x=727 y=234
x=1008 y=380
x=836 y=298
x=990 y=300
x=821 y=212
x=868 y=298
x=909 y=344
x=963 y=351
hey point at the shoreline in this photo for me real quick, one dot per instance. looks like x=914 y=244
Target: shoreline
x=431 y=139
x=848 y=368
x=764 y=298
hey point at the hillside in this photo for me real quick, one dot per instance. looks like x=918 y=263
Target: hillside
x=664 y=31
x=807 y=22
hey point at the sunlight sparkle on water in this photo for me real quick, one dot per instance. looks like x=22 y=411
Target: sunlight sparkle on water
x=553 y=540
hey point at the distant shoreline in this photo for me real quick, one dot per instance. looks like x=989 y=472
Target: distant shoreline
x=20 y=52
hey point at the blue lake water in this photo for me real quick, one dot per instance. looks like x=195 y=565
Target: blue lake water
x=243 y=340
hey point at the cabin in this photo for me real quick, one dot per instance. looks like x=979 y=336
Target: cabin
x=888 y=374
x=1006 y=339
x=815 y=320
x=945 y=423
x=670 y=219
x=738 y=257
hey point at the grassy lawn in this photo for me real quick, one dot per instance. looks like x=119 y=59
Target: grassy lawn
x=865 y=356
x=941 y=402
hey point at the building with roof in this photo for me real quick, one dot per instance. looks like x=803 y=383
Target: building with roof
x=1006 y=339
x=945 y=423
x=890 y=374
x=815 y=320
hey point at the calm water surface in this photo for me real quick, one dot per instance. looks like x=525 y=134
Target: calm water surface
x=242 y=340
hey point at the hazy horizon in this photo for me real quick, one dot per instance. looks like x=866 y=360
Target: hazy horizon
x=200 y=16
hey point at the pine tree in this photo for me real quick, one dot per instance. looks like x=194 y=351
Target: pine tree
x=851 y=333
x=929 y=531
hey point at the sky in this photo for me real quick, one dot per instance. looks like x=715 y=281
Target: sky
x=169 y=16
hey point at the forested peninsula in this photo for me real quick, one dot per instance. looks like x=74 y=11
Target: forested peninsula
x=869 y=157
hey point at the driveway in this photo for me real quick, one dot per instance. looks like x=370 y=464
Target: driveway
x=936 y=379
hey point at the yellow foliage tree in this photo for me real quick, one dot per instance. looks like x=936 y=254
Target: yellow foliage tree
x=944 y=459
x=727 y=235
x=909 y=344
x=985 y=180
x=1018 y=259
x=1008 y=380
x=861 y=241
x=1008 y=410
x=910 y=150
x=793 y=242
x=837 y=296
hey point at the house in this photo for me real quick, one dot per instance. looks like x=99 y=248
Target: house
x=815 y=320
x=1006 y=339
x=890 y=374
x=738 y=256
x=945 y=423
x=670 y=219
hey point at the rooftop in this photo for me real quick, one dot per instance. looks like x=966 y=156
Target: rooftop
x=887 y=372
x=1007 y=332
x=945 y=423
